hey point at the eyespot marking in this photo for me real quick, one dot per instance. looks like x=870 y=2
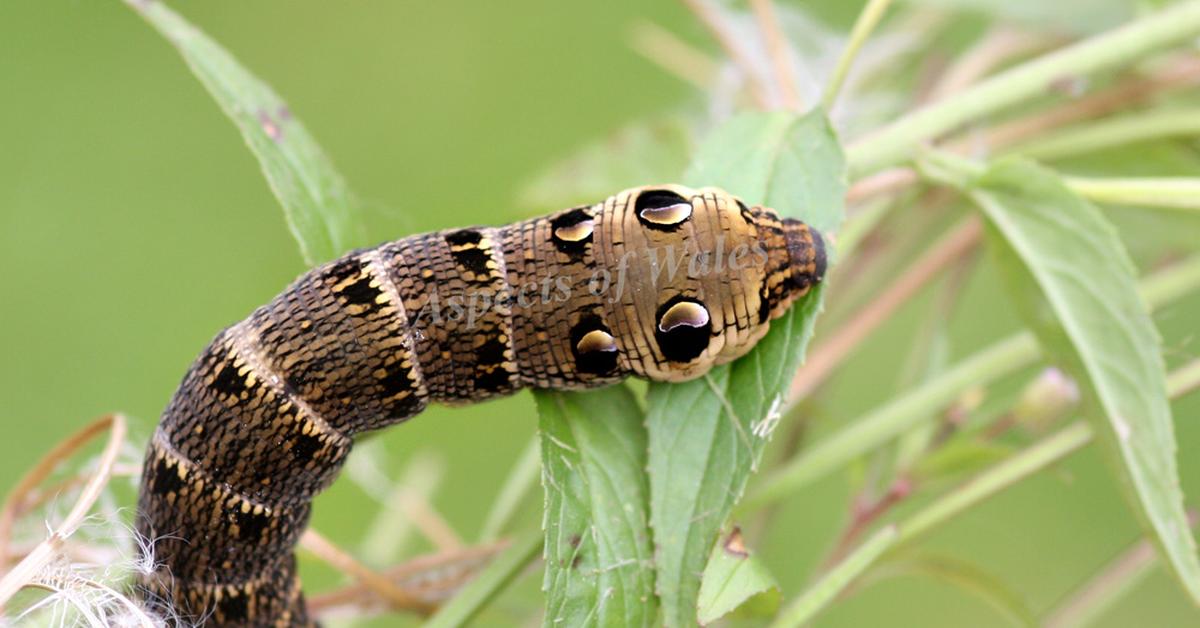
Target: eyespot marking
x=683 y=330
x=571 y=231
x=594 y=346
x=577 y=232
x=662 y=210
x=596 y=340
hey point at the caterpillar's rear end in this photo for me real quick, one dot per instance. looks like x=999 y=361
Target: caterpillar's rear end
x=660 y=282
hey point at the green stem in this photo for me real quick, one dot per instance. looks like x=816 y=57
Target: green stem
x=1001 y=476
x=489 y=583
x=522 y=480
x=923 y=403
x=833 y=583
x=859 y=226
x=895 y=418
x=1024 y=464
x=867 y=20
x=1167 y=193
x=1020 y=466
x=1184 y=380
x=1110 y=132
x=893 y=143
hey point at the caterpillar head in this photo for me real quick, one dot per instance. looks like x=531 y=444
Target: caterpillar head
x=707 y=274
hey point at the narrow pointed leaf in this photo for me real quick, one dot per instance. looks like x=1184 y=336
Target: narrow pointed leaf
x=316 y=202
x=706 y=435
x=598 y=550
x=1071 y=273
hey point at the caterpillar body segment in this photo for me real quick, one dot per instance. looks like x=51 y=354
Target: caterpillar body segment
x=658 y=282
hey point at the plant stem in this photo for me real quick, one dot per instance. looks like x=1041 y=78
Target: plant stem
x=677 y=57
x=1023 y=465
x=993 y=50
x=522 y=480
x=711 y=20
x=895 y=417
x=1003 y=475
x=48 y=550
x=1117 y=131
x=489 y=583
x=396 y=597
x=1178 y=73
x=923 y=403
x=780 y=53
x=891 y=144
x=867 y=20
x=1093 y=599
x=836 y=580
x=1166 y=193
x=1184 y=380
x=825 y=358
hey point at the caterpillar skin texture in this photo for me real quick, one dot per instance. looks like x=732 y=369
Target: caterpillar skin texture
x=267 y=414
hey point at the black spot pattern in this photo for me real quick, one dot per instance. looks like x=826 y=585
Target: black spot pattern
x=166 y=478
x=234 y=607
x=250 y=525
x=305 y=446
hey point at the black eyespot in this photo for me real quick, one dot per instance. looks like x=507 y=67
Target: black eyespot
x=594 y=347
x=571 y=231
x=683 y=329
x=662 y=210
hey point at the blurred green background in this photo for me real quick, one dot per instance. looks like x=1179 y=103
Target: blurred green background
x=134 y=224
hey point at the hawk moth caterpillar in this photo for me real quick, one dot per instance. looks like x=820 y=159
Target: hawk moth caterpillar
x=659 y=282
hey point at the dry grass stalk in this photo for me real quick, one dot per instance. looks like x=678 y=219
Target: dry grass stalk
x=396 y=597
x=824 y=358
x=432 y=579
x=712 y=21
x=780 y=53
x=40 y=567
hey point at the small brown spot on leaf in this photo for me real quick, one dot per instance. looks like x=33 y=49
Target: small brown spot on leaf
x=575 y=540
x=734 y=545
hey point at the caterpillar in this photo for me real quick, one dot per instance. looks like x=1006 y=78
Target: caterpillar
x=658 y=282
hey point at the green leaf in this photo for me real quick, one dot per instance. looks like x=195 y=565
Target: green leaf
x=1089 y=316
x=650 y=151
x=598 y=549
x=316 y=202
x=733 y=577
x=706 y=435
x=836 y=580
